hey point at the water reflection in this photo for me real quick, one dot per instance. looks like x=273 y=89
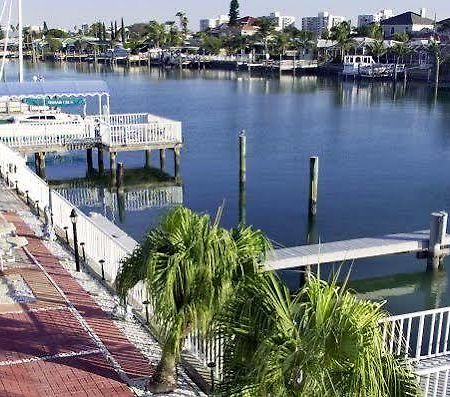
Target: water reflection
x=142 y=189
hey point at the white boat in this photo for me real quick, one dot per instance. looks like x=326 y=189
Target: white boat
x=41 y=116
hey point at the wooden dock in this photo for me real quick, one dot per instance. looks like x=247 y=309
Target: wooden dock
x=349 y=250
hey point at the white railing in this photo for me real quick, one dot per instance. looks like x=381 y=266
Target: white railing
x=419 y=335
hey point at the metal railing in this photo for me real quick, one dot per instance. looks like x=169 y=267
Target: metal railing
x=419 y=335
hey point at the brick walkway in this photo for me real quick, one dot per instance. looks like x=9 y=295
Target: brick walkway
x=52 y=347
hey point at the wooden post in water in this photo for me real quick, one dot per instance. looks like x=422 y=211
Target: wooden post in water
x=438 y=232
x=112 y=163
x=148 y=158
x=162 y=159
x=101 y=165
x=313 y=185
x=176 y=162
x=242 y=177
x=119 y=176
x=90 y=163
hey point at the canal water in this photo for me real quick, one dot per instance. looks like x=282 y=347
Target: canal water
x=384 y=162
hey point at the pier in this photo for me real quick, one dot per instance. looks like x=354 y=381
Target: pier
x=367 y=247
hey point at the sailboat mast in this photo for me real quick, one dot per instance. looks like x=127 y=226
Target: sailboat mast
x=19 y=10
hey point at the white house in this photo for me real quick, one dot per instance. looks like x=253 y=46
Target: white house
x=408 y=22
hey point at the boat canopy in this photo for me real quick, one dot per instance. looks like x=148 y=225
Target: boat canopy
x=69 y=88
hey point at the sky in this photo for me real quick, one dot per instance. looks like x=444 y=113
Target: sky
x=70 y=13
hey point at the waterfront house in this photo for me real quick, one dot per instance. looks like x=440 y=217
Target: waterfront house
x=408 y=22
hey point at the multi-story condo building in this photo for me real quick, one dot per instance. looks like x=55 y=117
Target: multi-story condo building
x=281 y=21
x=367 y=19
x=323 y=21
x=212 y=23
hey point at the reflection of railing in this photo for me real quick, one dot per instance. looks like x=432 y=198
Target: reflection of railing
x=134 y=200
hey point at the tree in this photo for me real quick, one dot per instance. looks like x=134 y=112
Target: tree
x=372 y=30
x=112 y=32
x=184 y=22
x=377 y=49
x=103 y=31
x=174 y=38
x=122 y=32
x=45 y=28
x=341 y=33
x=324 y=342
x=234 y=12
x=282 y=41
x=190 y=266
x=401 y=37
x=304 y=40
x=115 y=30
x=57 y=33
x=156 y=34
x=266 y=29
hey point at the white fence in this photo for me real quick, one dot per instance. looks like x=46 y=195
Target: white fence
x=419 y=335
x=110 y=130
x=98 y=245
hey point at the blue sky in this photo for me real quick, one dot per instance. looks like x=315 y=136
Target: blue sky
x=75 y=12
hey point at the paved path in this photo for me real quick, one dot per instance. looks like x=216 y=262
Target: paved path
x=62 y=343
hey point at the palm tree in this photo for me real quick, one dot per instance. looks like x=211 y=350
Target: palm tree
x=377 y=49
x=155 y=33
x=324 y=342
x=435 y=49
x=341 y=33
x=190 y=266
x=184 y=22
x=304 y=40
x=282 y=42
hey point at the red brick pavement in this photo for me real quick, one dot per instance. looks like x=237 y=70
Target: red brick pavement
x=28 y=334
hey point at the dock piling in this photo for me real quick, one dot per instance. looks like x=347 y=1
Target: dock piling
x=438 y=231
x=313 y=184
x=176 y=160
x=90 y=163
x=162 y=159
x=101 y=165
x=112 y=163
x=148 y=158
x=242 y=177
x=119 y=175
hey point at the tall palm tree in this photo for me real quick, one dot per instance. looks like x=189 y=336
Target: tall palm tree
x=322 y=343
x=266 y=29
x=377 y=49
x=155 y=33
x=184 y=22
x=341 y=33
x=435 y=49
x=190 y=266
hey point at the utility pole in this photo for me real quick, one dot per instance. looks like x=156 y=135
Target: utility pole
x=19 y=10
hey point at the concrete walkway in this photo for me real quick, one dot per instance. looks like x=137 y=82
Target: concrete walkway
x=57 y=341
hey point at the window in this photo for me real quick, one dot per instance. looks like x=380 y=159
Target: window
x=392 y=30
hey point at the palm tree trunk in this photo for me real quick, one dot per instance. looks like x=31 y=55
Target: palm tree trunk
x=165 y=378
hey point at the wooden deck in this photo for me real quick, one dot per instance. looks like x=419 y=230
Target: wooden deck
x=348 y=250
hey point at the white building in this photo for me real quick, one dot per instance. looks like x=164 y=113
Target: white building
x=367 y=19
x=212 y=23
x=281 y=21
x=408 y=22
x=323 y=21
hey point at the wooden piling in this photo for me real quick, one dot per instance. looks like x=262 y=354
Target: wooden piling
x=176 y=161
x=162 y=159
x=242 y=157
x=101 y=165
x=313 y=184
x=438 y=232
x=148 y=158
x=112 y=163
x=242 y=178
x=90 y=163
x=119 y=175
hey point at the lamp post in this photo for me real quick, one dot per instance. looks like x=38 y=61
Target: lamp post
x=73 y=218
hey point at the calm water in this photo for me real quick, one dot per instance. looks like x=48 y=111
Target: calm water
x=384 y=159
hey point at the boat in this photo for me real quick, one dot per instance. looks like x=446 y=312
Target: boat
x=50 y=115
x=118 y=53
x=356 y=64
